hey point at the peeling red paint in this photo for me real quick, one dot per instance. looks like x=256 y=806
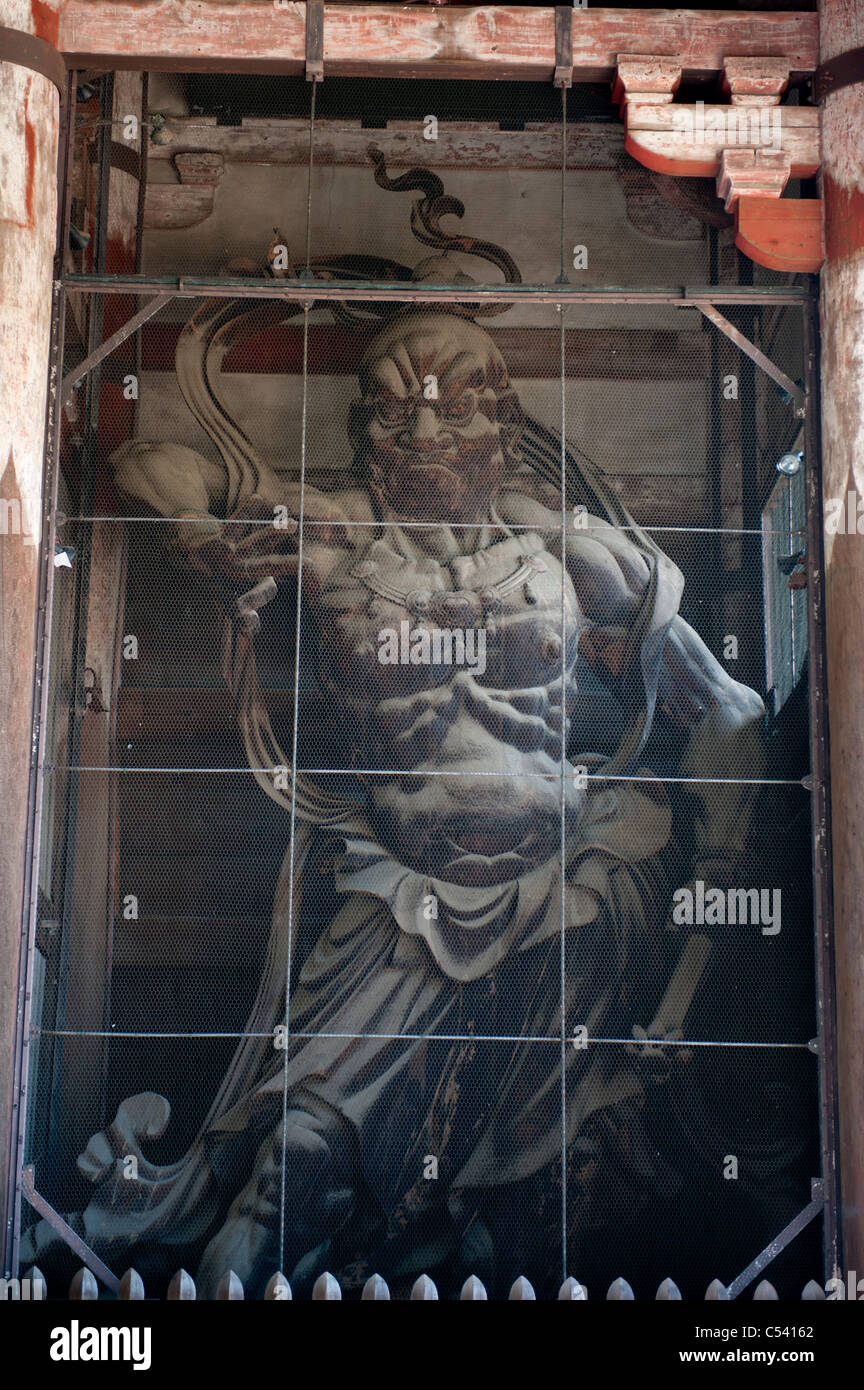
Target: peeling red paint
x=46 y=21
x=30 y=156
x=844 y=220
x=29 y=167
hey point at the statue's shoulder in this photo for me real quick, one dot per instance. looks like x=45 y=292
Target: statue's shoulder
x=334 y=504
x=356 y=503
x=519 y=508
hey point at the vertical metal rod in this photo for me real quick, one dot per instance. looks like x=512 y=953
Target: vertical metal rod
x=294 y=734
x=820 y=800
x=716 y=605
x=292 y=833
x=563 y=944
x=563 y=848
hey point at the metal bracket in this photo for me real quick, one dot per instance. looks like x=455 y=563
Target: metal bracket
x=813 y=1209
x=792 y=389
x=843 y=71
x=314 y=41
x=64 y=1230
x=71 y=379
x=563 y=46
x=27 y=51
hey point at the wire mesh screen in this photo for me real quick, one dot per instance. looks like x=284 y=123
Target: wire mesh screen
x=425 y=879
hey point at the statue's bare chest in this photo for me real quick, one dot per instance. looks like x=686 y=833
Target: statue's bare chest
x=393 y=623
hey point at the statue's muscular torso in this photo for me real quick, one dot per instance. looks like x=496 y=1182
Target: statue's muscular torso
x=404 y=723
x=483 y=747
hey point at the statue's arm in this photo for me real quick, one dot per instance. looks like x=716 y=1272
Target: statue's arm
x=721 y=719
x=189 y=491
x=173 y=481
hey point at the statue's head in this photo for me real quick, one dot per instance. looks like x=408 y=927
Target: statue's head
x=437 y=423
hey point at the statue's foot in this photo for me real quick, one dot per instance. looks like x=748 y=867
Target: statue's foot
x=248 y=1248
x=303 y=1165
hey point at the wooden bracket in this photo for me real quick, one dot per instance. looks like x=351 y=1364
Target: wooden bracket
x=755 y=81
x=643 y=78
x=762 y=172
x=314 y=41
x=781 y=233
x=752 y=146
x=189 y=202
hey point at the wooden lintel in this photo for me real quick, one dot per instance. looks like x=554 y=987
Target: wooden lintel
x=605 y=354
x=497 y=41
x=460 y=144
x=781 y=233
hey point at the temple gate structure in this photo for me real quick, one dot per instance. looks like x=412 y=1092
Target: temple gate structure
x=431 y=635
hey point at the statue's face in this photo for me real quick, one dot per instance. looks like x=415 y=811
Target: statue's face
x=434 y=428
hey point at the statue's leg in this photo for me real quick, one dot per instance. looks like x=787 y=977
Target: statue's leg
x=308 y=1158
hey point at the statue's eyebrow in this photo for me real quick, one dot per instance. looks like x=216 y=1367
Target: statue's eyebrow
x=462 y=367
x=397 y=367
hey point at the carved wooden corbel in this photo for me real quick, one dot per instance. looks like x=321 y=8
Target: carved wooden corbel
x=170 y=206
x=751 y=146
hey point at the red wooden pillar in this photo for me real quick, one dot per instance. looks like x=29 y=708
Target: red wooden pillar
x=28 y=199
x=842 y=29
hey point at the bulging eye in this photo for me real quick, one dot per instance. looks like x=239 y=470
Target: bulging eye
x=459 y=410
x=392 y=410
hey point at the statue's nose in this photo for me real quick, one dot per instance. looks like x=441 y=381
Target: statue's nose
x=424 y=428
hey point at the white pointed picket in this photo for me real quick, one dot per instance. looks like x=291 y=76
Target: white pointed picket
x=424 y=1290
x=376 y=1290
x=84 y=1286
x=716 y=1292
x=766 y=1293
x=182 y=1288
x=278 y=1289
x=620 y=1292
x=473 y=1290
x=571 y=1291
x=668 y=1292
x=131 y=1288
x=230 y=1289
x=812 y=1292
x=522 y=1291
x=326 y=1289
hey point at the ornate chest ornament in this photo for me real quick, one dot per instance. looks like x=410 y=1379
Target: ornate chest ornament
x=455 y=607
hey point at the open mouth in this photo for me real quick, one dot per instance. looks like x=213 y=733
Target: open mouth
x=434 y=466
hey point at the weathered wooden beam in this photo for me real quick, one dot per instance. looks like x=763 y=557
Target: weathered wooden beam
x=459 y=145
x=605 y=354
x=497 y=41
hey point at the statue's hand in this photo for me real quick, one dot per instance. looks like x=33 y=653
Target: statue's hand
x=255 y=542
